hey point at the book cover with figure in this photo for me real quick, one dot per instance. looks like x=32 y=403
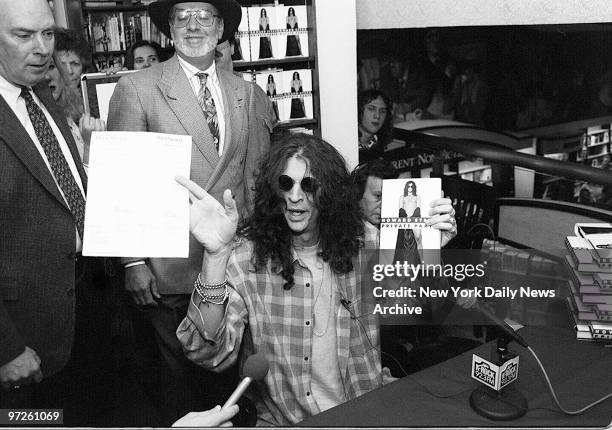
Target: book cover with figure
x=242 y=46
x=404 y=212
x=272 y=82
x=292 y=40
x=262 y=27
x=296 y=102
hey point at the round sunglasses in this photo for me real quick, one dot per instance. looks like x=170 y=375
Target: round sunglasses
x=308 y=183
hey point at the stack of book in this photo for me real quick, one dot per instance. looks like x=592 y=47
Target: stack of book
x=590 y=281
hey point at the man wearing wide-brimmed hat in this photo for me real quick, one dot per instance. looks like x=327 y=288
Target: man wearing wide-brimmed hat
x=189 y=95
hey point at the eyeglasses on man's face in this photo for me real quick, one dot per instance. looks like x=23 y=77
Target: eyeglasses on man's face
x=308 y=183
x=181 y=17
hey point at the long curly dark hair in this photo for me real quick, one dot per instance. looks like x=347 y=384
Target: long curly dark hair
x=340 y=225
x=385 y=134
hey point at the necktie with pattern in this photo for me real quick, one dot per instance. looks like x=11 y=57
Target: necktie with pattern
x=207 y=103
x=55 y=156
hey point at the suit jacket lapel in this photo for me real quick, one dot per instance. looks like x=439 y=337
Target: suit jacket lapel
x=233 y=102
x=17 y=138
x=179 y=95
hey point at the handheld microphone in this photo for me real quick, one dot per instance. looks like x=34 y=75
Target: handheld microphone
x=255 y=368
x=508 y=331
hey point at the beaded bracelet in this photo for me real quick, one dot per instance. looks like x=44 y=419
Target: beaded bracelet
x=209 y=286
x=215 y=299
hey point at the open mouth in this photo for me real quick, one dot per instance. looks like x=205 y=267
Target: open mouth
x=296 y=213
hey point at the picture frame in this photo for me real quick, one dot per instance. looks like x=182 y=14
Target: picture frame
x=97 y=89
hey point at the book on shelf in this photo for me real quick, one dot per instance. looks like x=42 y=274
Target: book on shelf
x=242 y=47
x=272 y=82
x=591 y=290
x=604 y=280
x=580 y=252
x=117 y=31
x=599 y=237
x=579 y=325
x=99 y=3
x=580 y=310
x=295 y=102
x=599 y=328
x=291 y=38
x=580 y=279
x=262 y=27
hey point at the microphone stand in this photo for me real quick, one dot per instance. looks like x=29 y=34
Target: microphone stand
x=503 y=405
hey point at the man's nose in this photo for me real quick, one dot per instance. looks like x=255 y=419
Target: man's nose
x=43 y=45
x=295 y=194
x=192 y=23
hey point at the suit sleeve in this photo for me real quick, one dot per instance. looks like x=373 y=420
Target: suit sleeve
x=126 y=113
x=11 y=343
x=262 y=120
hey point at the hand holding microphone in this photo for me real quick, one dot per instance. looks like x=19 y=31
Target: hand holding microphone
x=255 y=368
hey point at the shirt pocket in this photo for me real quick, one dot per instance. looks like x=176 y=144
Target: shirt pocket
x=8 y=289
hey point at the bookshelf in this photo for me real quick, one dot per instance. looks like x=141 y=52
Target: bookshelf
x=112 y=26
x=590 y=146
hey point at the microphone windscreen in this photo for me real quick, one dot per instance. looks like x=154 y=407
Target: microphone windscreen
x=255 y=367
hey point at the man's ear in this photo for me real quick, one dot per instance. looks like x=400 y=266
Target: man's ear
x=220 y=30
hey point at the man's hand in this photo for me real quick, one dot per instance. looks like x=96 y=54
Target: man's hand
x=141 y=284
x=23 y=370
x=212 y=224
x=443 y=218
x=215 y=417
x=87 y=125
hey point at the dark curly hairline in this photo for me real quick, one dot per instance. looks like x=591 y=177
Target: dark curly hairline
x=340 y=223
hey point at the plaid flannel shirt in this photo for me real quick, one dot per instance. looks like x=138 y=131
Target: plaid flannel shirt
x=262 y=317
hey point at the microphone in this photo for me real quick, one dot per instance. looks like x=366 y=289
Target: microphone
x=508 y=331
x=255 y=368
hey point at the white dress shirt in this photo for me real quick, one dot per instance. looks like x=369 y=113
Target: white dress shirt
x=11 y=95
x=213 y=85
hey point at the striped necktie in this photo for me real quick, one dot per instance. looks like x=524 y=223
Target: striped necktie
x=207 y=103
x=57 y=161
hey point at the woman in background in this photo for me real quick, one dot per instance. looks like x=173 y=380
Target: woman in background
x=73 y=53
x=265 y=46
x=375 y=130
x=69 y=99
x=143 y=54
x=293 y=40
x=297 y=103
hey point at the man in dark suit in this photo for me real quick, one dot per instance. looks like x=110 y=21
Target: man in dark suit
x=189 y=95
x=42 y=200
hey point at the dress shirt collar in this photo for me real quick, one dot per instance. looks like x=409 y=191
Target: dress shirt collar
x=9 y=91
x=191 y=70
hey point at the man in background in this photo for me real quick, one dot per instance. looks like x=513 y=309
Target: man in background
x=43 y=353
x=367 y=178
x=189 y=95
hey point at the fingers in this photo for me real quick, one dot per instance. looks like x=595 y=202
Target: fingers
x=225 y=415
x=146 y=297
x=142 y=285
x=23 y=370
x=154 y=290
x=230 y=205
x=194 y=189
x=441 y=206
